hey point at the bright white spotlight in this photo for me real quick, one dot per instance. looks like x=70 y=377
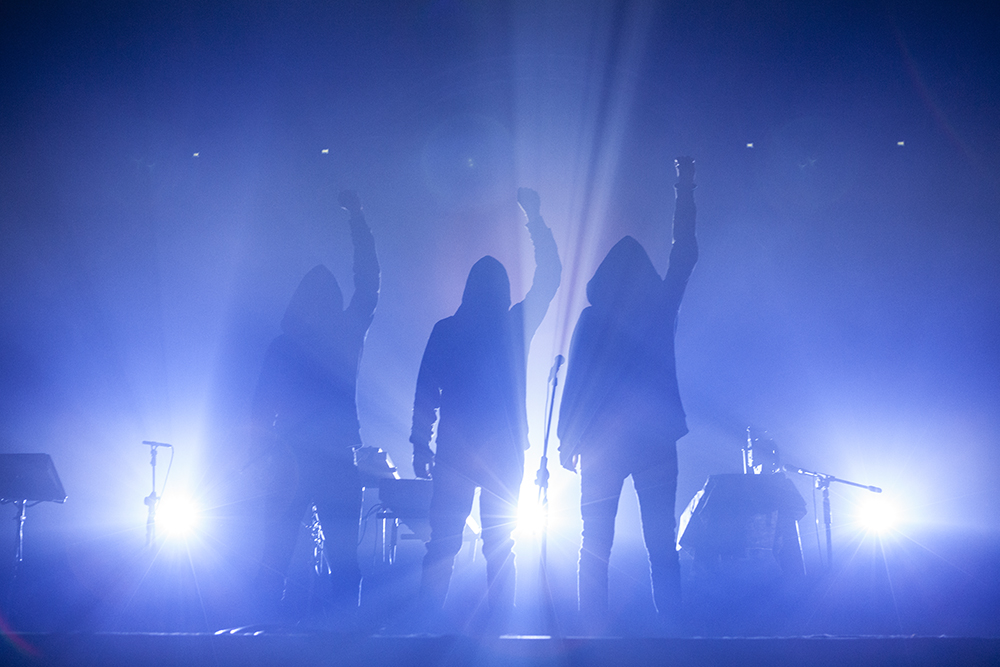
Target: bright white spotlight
x=877 y=513
x=530 y=517
x=176 y=516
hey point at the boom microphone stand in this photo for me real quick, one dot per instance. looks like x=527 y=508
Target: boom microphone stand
x=542 y=480
x=823 y=482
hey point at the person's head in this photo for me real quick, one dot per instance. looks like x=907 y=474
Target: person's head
x=487 y=289
x=625 y=275
x=316 y=303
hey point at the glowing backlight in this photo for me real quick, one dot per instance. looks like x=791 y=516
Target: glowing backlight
x=876 y=513
x=176 y=516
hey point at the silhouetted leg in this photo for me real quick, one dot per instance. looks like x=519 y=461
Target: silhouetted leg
x=451 y=503
x=655 y=479
x=339 y=506
x=284 y=508
x=600 y=489
x=281 y=532
x=499 y=516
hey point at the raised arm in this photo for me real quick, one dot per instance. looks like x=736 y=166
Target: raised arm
x=366 y=269
x=684 y=251
x=548 y=268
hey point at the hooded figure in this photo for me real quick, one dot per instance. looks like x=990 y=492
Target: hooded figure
x=621 y=411
x=472 y=382
x=305 y=408
x=473 y=371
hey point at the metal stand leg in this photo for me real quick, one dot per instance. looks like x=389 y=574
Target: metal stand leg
x=19 y=555
x=8 y=599
x=389 y=536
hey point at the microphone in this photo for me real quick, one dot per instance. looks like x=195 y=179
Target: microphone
x=830 y=478
x=560 y=360
x=152 y=443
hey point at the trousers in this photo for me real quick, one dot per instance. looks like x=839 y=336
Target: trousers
x=451 y=504
x=654 y=474
x=332 y=483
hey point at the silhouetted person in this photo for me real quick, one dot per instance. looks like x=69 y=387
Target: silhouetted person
x=472 y=376
x=621 y=411
x=305 y=410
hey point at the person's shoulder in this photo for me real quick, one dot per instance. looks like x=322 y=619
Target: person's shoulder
x=444 y=325
x=448 y=321
x=587 y=314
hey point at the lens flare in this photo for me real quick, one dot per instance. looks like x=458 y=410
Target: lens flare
x=177 y=516
x=877 y=514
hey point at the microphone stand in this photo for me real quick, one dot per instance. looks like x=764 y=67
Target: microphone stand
x=542 y=480
x=152 y=500
x=823 y=481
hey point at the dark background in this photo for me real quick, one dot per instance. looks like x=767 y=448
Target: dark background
x=169 y=171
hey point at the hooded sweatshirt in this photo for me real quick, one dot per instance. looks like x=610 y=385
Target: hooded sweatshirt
x=307 y=386
x=472 y=375
x=621 y=379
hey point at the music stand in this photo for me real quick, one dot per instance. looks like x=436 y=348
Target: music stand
x=28 y=478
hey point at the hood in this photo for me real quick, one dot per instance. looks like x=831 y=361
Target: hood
x=625 y=275
x=487 y=289
x=317 y=302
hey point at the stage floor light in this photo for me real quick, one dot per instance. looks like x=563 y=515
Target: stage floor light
x=531 y=517
x=177 y=516
x=877 y=514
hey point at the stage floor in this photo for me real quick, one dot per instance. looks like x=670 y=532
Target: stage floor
x=274 y=648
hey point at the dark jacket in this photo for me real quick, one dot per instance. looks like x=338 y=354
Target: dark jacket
x=472 y=374
x=621 y=379
x=307 y=386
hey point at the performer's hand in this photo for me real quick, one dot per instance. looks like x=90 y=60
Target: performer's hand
x=685 y=170
x=423 y=461
x=530 y=202
x=569 y=461
x=350 y=201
